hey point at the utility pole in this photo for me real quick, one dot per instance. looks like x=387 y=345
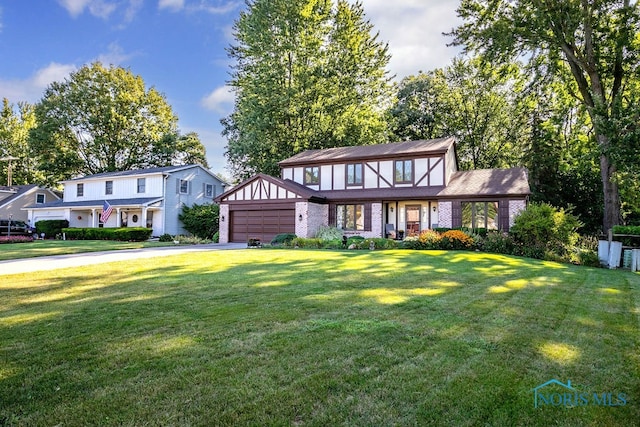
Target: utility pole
x=9 y=168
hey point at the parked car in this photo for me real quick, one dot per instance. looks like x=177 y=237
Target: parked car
x=18 y=228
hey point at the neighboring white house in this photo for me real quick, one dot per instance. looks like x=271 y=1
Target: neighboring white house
x=16 y=197
x=373 y=191
x=151 y=198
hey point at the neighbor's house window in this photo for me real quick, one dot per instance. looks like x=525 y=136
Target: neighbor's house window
x=79 y=190
x=142 y=184
x=108 y=187
x=184 y=186
x=40 y=198
x=480 y=215
x=354 y=174
x=312 y=175
x=404 y=171
x=350 y=217
x=208 y=190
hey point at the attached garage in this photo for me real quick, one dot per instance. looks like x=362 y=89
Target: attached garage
x=263 y=221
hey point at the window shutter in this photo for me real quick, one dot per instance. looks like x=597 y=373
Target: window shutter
x=503 y=215
x=367 y=217
x=456 y=214
x=332 y=215
x=189 y=187
x=204 y=189
x=177 y=185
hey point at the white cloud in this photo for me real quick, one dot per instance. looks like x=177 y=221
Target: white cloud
x=99 y=8
x=173 y=5
x=223 y=9
x=413 y=29
x=132 y=10
x=220 y=100
x=114 y=56
x=32 y=88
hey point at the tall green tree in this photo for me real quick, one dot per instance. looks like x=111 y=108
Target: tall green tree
x=308 y=74
x=592 y=43
x=15 y=125
x=477 y=103
x=103 y=119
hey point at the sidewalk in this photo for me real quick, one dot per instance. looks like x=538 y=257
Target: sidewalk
x=28 y=265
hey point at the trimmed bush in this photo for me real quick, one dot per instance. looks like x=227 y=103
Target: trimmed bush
x=378 y=243
x=301 y=242
x=456 y=239
x=283 y=239
x=627 y=229
x=354 y=240
x=328 y=233
x=51 y=227
x=166 y=238
x=128 y=234
x=216 y=237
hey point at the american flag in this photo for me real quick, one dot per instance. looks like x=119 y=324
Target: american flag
x=106 y=212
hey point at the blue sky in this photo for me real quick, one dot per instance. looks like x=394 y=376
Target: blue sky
x=178 y=47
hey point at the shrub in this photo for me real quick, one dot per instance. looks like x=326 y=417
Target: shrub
x=427 y=239
x=588 y=258
x=328 y=233
x=200 y=220
x=499 y=243
x=15 y=239
x=456 y=239
x=627 y=229
x=301 y=242
x=378 y=243
x=216 y=237
x=51 y=227
x=166 y=238
x=190 y=240
x=542 y=226
x=354 y=240
x=128 y=234
x=283 y=239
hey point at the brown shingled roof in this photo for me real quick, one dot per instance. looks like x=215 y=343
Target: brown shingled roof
x=432 y=146
x=488 y=182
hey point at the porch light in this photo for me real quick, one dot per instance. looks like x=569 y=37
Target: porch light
x=391 y=208
x=300 y=217
x=222 y=218
x=434 y=208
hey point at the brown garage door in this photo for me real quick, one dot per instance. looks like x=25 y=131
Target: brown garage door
x=261 y=224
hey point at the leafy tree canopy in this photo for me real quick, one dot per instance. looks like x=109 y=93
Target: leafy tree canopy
x=14 y=144
x=105 y=119
x=307 y=75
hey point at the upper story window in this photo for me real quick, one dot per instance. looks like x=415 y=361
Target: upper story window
x=354 y=174
x=208 y=190
x=184 y=186
x=404 y=171
x=142 y=184
x=79 y=190
x=40 y=198
x=312 y=175
x=108 y=187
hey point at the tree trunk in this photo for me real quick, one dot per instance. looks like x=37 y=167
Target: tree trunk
x=611 y=214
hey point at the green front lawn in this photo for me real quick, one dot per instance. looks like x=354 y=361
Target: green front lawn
x=297 y=337
x=39 y=248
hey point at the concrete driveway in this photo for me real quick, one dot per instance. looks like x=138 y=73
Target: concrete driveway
x=76 y=260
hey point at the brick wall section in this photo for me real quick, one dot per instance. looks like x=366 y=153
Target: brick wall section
x=313 y=216
x=224 y=225
x=515 y=207
x=445 y=214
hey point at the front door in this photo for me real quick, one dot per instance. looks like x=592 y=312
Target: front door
x=413 y=220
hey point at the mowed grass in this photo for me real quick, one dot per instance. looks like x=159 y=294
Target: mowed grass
x=40 y=248
x=318 y=338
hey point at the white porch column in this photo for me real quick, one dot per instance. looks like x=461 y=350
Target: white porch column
x=118 y=222
x=143 y=219
x=94 y=217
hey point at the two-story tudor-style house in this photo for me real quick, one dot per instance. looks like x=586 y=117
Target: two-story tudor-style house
x=151 y=198
x=373 y=191
x=16 y=197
